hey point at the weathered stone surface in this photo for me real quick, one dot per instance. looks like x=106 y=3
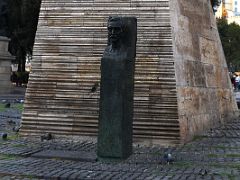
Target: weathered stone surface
x=66 y=67
x=181 y=81
x=205 y=95
x=5 y=66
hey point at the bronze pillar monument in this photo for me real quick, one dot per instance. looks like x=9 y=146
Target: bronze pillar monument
x=116 y=90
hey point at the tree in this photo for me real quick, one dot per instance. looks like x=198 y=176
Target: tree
x=230 y=37
x=23 y=19
x=215 y=2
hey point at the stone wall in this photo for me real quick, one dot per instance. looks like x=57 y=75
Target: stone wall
x=70 y=41
x=181 y=80
x=205 y=95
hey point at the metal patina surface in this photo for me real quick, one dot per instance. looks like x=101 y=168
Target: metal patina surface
x=116 y=90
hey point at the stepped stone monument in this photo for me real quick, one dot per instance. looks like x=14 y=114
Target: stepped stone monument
x=181 y=83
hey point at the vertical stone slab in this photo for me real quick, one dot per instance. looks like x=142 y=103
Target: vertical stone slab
x=116 y=90
x=5 y=66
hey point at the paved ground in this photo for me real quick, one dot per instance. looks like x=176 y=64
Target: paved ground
x=14 y=93
x=214 y=155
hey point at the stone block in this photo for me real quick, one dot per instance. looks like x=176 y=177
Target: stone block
x=181 y=73
x=5 y=66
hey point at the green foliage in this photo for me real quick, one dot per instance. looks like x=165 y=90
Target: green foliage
x=2 y=107
x=223 y=155
x=198 y=137
x=232 y=155
x=22 y=22
x=13 y=137
x=19 y=145
x=213 y=155
x=215 y=2
x=7 y=157
x=18 y=107
x=183 y=164
x=23 y=76
x=13 y=106
x=230 y=37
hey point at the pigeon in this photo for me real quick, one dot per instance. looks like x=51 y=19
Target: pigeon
x=19 y=100
x=94 y=88
x=168 y=158
x=16 y=129
x=4 y=136
x=47 y=136
x=11 y=121
x=203 y=172
x=7 y=105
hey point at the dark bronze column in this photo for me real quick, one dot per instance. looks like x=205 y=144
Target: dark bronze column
x=116 y=90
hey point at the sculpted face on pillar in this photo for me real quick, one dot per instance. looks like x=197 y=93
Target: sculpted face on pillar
x=115 y=30
x=116 y=90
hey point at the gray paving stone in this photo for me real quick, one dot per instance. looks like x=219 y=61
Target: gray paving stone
x=176 y=177
x=112 y=175
x=144 y=164
x=52 y=173
x=67 y=155
x=74 y=176
x=83 y=174
x=134 y=176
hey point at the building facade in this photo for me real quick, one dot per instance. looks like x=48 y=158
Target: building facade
x=236 y=6
x=230 y=9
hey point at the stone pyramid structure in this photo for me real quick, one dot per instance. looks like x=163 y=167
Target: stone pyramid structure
x=182 y=85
